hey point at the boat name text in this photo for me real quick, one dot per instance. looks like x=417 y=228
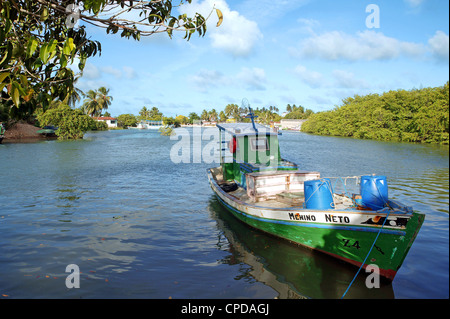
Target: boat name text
x=297 y=216
x=336 y=219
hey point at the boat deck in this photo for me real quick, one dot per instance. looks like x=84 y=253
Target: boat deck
x=283 y=199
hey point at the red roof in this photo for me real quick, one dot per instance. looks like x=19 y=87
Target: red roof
x=104 y=118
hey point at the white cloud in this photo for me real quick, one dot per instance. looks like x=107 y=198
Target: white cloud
x=112 y=71
x=93 y=72
x=346 y=79
x=206 y=79
x=254 y=78
x=439 y=46
x=307 y=25
x=367 y=45
x=237 y=35
x=90 y=71
x=312 y=78
x=90 y=84
x=414 y=3
x=129 y=72
x=266 y=11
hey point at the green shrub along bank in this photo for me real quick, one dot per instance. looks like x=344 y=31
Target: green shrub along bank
x=418 y=115
x=71 y=123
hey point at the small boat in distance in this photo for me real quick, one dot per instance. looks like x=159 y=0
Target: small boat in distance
x=272 y=194
x=48 y=131
x=149 y=125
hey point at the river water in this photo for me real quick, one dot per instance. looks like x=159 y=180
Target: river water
x=139 y=225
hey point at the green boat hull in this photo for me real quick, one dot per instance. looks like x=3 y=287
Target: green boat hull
x=350 y=243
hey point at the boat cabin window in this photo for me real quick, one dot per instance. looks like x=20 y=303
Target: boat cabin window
x=259 y=144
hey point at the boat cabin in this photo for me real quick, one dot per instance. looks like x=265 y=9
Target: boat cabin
x=250 y=157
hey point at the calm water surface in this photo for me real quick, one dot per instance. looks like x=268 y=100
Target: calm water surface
x=140 y=226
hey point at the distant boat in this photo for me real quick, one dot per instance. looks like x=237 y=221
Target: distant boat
x=149 y=125
x=273 y=195
x=48 y=131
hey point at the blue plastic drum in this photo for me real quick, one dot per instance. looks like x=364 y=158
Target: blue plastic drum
x=318 y=194
x=374 y=191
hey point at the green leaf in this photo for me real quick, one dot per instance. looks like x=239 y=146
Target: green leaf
x=44 y=14
x=69 y=47
x=31 y=47
x=3 y=76
x=8 y=55
x=82 y=62
x=52 y=48
x=63 y=61
x=48 y=51
x=15 y=95
x=24 y=80
x=18 y=87
x=43 y=54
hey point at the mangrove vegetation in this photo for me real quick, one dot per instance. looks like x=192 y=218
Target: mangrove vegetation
x=417 y=115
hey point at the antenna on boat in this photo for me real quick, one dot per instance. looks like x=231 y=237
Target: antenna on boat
x=251 y=115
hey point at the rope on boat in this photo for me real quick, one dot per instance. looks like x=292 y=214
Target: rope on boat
x=370 y=250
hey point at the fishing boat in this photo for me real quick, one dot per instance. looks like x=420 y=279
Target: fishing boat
x=274 y=195
x=48 y=131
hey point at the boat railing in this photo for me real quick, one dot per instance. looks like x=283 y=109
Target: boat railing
x=347 y=185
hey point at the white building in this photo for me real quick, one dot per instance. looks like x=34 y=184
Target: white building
x=110 y=121
x=287 y=124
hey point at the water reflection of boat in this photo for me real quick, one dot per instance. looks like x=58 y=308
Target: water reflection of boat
x=293 y=272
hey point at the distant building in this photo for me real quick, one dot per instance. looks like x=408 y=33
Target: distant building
x=110 y=121
x=287 y=124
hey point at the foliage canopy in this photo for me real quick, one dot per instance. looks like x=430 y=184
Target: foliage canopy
x=39 y=41
x=71 y=123
x=418 y=115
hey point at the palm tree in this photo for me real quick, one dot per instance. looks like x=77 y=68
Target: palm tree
x=212 y=115
x=233 y=111
x=204 y=115
x=91 y=105
x=222 y=116
x=144 y=113
x=103 y=98
x=74 y=96
x=96 y=101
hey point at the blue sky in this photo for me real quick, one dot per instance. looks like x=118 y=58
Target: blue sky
x=311 y=53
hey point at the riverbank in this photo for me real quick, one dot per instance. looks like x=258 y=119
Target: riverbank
x=22 y=132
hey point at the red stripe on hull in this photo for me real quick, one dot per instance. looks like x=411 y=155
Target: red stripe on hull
x=387 y=273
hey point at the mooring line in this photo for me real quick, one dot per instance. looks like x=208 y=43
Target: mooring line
x=370 y=250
